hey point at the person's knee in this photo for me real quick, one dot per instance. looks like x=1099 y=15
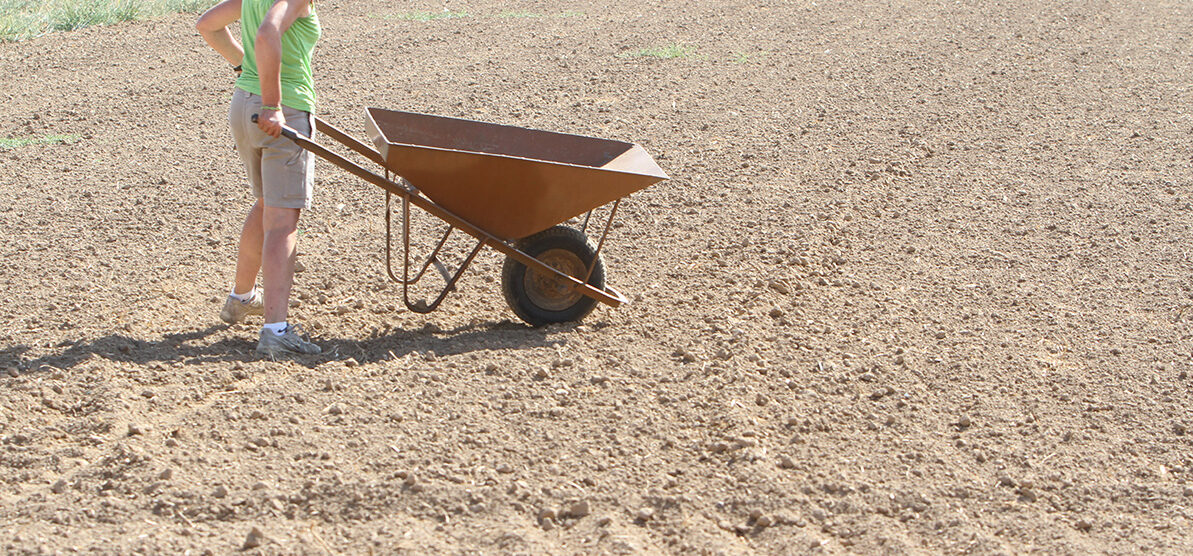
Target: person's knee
x=283 y=220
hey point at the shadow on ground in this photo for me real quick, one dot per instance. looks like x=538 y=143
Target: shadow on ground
x=195 y=347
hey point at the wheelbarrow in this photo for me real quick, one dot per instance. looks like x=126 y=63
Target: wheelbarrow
x=508 y=187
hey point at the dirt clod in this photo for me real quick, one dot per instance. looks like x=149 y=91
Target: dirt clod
x=254 y=539
x=577 y=509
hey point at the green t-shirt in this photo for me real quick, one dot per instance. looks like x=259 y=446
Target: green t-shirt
x=298 y=83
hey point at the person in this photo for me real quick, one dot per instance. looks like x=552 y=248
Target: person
x=273 y=57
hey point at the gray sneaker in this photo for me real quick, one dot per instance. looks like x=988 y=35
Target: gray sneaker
x=291 y=342
x=235 y=310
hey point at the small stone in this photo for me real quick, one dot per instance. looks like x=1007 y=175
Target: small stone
x=1189 y=491
x=547 y=524
x=171 y=443
x=1180 y=429
x=755 y=514
x=740 y=443
x=504 y=468
x=58 y=487
x=477 y=508
x=645 y=514
x=541 y=373
x=964 y=422
x=335 y=409
x=257 y=414
x=599 y=379
x=785 y=462
x=135 y=429
x=1083 y=525
x=260 y=485
x=1005 y=480
x=351 y=362
x=577 y=509
x=776 y=312
x=1027 y=494
x=166 y=474
x=220 y=492
x=763 y=521
x=761 y=400
x=548 y=513
x=604 y=521
x=261 y=441
x=780 y=286
x=254 y=539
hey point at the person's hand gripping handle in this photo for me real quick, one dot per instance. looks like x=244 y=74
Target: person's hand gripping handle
x=272 y=122
x=275 y=128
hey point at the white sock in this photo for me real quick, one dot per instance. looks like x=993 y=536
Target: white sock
x=278 y=328
x=242 y=297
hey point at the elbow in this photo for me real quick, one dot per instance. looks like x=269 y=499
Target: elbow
x=205 y=25
x=267 y=34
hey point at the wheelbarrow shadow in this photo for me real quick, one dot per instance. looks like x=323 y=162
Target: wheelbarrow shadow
x=488 y=336
x=189 y=347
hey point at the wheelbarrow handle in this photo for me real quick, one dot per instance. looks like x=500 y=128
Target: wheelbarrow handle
x=290 y=133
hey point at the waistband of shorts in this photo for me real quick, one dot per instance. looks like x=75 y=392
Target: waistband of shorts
x=252 y=95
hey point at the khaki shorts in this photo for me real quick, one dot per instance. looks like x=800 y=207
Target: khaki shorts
x=280 y=172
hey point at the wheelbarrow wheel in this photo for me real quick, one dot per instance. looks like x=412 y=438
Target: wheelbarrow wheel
x=540 y=299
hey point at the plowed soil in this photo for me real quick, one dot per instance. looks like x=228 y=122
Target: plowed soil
x=920 y=282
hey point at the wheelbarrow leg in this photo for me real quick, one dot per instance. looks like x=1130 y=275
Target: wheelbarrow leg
x=431 y=259
x=421 y=306
x=604 y=234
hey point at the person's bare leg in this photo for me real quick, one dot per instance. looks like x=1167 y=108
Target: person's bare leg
x=277 y=260
x=248 y=255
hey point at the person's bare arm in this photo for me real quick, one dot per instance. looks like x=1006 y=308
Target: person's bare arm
x=268 y=49
x=213 y=26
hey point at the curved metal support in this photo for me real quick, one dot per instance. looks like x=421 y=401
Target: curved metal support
x=421 y=306
x=432 y=259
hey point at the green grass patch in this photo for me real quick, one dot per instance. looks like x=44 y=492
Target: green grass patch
x=426 y=16
x=18 y=142
x=668 y=52
x=535 y=15
x=24 y=19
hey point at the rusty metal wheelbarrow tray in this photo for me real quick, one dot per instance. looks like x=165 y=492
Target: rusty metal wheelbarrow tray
x=498 y=184
x=508 y=181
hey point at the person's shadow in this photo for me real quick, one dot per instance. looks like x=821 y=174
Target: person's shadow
x=189 y=347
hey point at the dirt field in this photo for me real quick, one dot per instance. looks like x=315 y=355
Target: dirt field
x=921 y=282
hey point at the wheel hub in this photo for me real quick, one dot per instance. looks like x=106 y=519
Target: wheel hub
x=552 y=292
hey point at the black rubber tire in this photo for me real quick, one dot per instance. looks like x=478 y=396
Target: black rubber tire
x=558 y=246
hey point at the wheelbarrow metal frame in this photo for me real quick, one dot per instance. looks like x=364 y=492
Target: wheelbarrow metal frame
x=411 y=195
